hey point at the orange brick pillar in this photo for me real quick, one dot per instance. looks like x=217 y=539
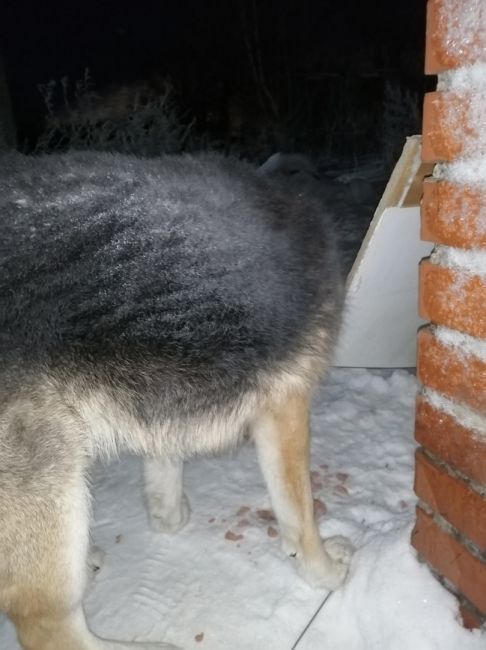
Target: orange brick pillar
x=450 y=476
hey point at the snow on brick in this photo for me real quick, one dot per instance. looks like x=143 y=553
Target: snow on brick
x=469 y=77
x=466 y=171
x=463 y=415
x=463 y=344
x=464 y=24
x=467 y=111
x=472 y=261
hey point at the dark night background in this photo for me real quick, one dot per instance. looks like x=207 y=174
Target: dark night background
x=251 y=76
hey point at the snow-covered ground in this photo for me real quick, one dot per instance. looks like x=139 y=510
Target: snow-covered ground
x=205 y=588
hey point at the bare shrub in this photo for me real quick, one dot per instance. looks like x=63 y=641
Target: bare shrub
x=130 y=119
x=401 y=118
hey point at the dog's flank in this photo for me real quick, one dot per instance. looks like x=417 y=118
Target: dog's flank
x=168 y=307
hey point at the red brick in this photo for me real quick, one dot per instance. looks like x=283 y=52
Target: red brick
x=446 y=370
x=439 y=54
x=453 y=298
x=449 y=130
x=452 y=498
x=437 y=143
x=470 y=619
x=455 y=444
x=451 y=559
x=453 y=214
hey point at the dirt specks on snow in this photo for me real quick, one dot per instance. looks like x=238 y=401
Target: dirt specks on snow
x=232 y=537
x=320 y=508
x=266 y=515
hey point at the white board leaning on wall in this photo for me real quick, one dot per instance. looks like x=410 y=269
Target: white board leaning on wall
x=381 y=315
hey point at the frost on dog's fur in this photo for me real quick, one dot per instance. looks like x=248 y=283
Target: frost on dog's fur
x=169 y=307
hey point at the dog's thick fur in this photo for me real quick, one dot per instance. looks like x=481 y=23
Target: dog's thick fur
x=169 y=307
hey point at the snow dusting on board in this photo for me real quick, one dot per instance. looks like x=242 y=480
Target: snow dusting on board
x=223 y=582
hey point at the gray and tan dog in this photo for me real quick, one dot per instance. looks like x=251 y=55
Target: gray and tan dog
x=169 y=307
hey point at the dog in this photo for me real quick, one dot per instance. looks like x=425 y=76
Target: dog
x=170 y=307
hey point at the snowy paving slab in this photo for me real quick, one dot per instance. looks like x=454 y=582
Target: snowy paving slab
x=223 y=583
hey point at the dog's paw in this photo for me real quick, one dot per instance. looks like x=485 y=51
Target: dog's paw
x=166 y=519
x=340 y=549
x=328 y=566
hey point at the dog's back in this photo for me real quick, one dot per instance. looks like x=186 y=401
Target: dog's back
x=181 y=279
x=165 y=306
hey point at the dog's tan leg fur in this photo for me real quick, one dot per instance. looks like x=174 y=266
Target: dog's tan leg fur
x=42 y=581
x=282 y=438
x=43 y=547
x=44 y=543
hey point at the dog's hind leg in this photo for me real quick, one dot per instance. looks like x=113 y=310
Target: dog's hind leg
x=44 y=513
x=281 y=434
x=167 y=504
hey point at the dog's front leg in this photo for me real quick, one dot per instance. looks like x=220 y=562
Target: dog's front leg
x=167 y=504
x=282 y=438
